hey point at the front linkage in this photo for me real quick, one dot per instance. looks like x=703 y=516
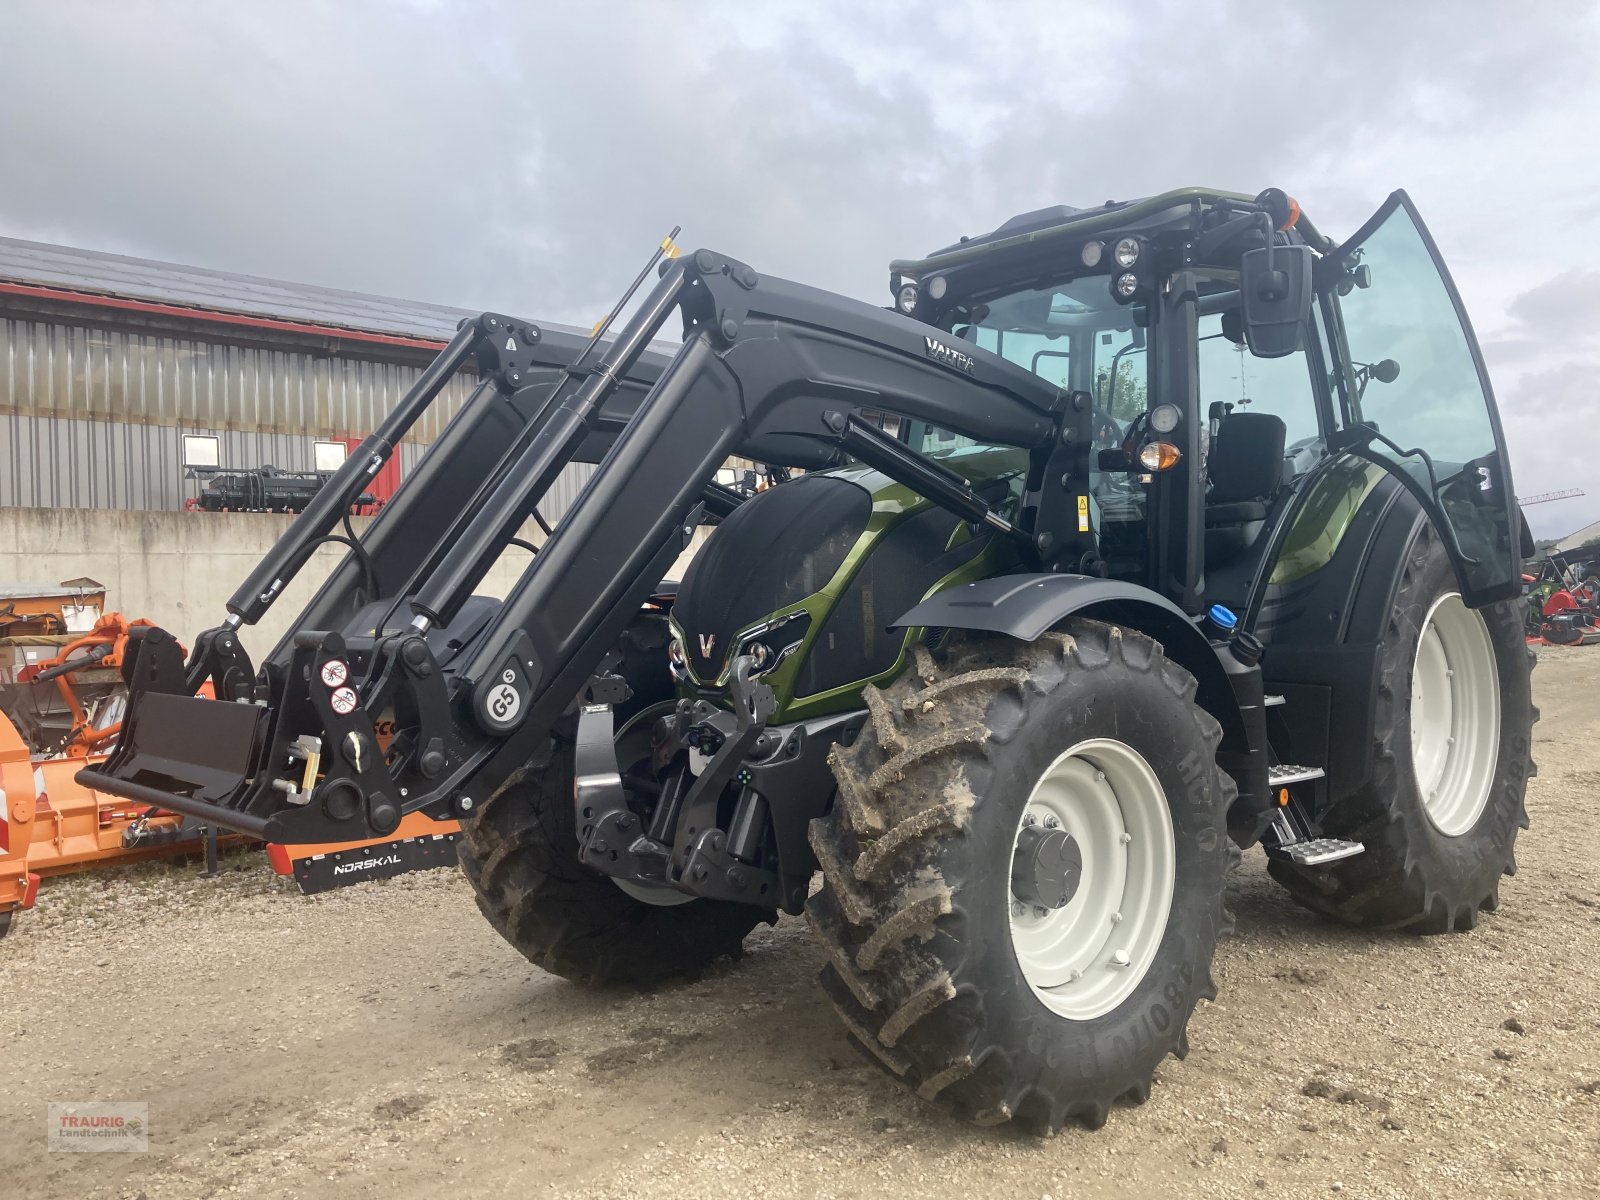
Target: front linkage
x=782 y=775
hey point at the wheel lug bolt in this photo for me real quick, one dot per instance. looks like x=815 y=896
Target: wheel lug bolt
x=1116 y=918
x=1074 y=975
x=1051 y=823
x=1040 y=911
x=1124 y=838
x=1018 y=908
x=1119 y=958
x=1099 y=776
x=1029 y=819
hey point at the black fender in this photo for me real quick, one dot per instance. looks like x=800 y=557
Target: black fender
x=1324 y=636
x=1025 y=606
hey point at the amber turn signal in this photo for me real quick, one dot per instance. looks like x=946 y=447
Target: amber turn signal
x=1159 y=456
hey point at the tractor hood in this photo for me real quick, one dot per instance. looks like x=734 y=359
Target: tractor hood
x=817 y=569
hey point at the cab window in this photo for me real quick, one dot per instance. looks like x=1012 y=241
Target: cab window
x=1229 y=373
x=1047 y=355
x=1416 y=382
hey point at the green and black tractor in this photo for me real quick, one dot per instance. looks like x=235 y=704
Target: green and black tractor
x=1125 y=539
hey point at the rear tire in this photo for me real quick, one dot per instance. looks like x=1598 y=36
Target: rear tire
x=917 y=909
x=520 y=853
x=1433 y=861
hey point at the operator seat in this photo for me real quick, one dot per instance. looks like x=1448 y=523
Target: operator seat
x=1246 y=467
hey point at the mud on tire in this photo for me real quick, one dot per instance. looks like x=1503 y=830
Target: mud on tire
x=520 y=853
x=915 y=906
x=1412 y=876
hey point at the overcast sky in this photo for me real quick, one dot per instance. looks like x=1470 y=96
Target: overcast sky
x=526 y=157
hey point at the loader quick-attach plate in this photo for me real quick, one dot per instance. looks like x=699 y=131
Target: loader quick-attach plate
x=186 y=754
x=203 y=749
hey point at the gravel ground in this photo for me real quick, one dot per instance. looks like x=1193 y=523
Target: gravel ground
x=382 y=1041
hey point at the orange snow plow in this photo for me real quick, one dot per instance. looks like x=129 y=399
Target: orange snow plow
x=82 y=709
x=52 y=825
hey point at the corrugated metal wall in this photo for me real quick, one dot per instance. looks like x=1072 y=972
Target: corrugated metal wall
x=93 y=418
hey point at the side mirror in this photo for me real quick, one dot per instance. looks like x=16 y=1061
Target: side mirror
x=1386 y=370
x=1275 y=290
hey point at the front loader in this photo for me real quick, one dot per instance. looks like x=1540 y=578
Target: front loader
x=1125 y=539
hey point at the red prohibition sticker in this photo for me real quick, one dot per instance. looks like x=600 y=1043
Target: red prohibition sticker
x=343 y=701
x=334 y=672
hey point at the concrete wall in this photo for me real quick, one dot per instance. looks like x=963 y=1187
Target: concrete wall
x=177 y=568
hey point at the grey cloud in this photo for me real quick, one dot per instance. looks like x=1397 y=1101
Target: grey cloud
x=495 y=154
x=526 y=157
x=1549 y=416
x=1546 y=365
x=1559 y=312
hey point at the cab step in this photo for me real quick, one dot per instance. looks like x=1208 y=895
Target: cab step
x=1315 y=852
x=1273 y=701
x=1293 y=845
x=1285 y=774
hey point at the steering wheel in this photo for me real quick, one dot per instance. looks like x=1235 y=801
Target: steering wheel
x=1105 y=430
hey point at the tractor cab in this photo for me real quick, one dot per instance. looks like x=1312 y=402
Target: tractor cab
x=1235 y=363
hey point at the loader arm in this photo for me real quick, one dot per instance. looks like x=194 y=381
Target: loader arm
x=767 y=367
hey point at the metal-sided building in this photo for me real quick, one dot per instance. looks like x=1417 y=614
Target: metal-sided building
x=106 y=362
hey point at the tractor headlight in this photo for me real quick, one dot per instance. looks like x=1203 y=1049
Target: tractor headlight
x=775 y=641
x=906 y=301
x=1092 y=253
x=1126 y=252
x=937 y=287
x=1126 y=285
x=1164 y=418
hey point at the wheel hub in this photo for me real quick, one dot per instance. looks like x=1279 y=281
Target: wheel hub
x=1455 y=715
x=1092 y=878
x=1046 y=867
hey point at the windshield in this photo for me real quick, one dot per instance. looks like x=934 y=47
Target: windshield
x=1061 y=333
x=1074 y=335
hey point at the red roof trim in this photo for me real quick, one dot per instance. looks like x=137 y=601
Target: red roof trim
x=200 y=314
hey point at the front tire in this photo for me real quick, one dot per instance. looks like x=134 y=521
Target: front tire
x=1053 y=1013
x=1452 y=732
x=520 y=853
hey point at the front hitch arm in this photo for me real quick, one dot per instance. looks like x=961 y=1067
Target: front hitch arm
x=701 y=862
x=690 y=852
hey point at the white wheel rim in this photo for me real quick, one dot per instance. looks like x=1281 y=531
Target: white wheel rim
x=1084 y=959
x=659 y=894
x=1455 y=715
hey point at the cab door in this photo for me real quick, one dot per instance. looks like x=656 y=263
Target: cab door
x=1416 y=396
